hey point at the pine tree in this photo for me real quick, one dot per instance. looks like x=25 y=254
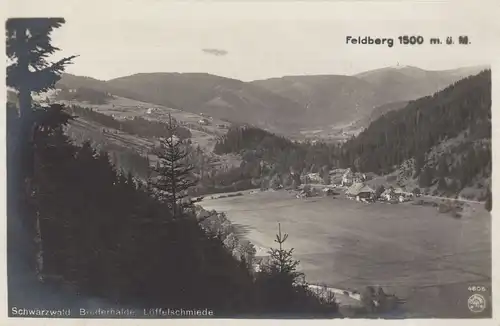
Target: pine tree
x=282 y=261
x=174 y=173
x=28 y=46
x=281 y=285
x=53 y=152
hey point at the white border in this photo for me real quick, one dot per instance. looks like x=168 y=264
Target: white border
x=484 y=14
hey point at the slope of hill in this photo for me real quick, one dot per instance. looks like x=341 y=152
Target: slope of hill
x=286 y=105
x=128 y=129
x=74 y=82
x=272 y=159
x=206 y=94
x=409 y=83
x=333 y=99
x=84 y=94
x=377 y=113
x=444 y=139
x=326 y=99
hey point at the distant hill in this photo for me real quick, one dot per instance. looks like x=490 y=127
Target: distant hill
x=326 y=99
x=443 y=140
x=74 y=82
x=225 y=98
x=330 y=99
x=69 y=81
x=284 y=105
x=409 y=83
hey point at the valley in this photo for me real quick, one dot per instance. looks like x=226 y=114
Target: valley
x=285 y=105
x=424 y=257
x=117 y=141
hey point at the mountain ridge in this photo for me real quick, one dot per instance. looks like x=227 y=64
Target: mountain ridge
x=440 y=142
x=285 y=104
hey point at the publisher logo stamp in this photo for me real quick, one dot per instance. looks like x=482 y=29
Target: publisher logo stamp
x=476 y=303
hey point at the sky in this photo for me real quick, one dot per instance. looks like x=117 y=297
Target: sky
x=258 y=40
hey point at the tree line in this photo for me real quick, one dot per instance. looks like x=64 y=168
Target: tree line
x=267 y=156
x=83 y=94
x=461 y=111
x=135 y=126
x=113 y=237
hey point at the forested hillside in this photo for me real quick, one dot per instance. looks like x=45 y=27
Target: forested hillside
x=377 y=113
x=334 y=99
x=285 y=105
x=135 y=126
x=267 y=156
x=211 y=95
x=445 y=138
x=103 y=233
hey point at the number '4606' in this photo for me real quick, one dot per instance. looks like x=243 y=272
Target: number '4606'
x=477 y=288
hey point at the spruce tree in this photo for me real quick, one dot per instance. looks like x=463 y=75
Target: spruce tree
x=175 y=175
x=282 y=261
x=279 y=281
x=28 y=45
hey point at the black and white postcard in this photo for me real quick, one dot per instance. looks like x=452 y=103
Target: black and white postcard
x=249 y=160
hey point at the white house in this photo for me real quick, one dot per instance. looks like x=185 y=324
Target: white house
x=349 y=178
x=313 y=178
x=152 y=110
x=360 y=191
x=204 y=122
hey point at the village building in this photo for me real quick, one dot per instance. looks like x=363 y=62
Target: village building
x=396 y=194
x=152 y=110
x=313 y=178
x=360 y=192
x=204 y=122
x=349 y=178
x=388 y=194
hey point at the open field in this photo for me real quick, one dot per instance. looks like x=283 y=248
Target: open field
x=122 y=108
x=426 y=258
